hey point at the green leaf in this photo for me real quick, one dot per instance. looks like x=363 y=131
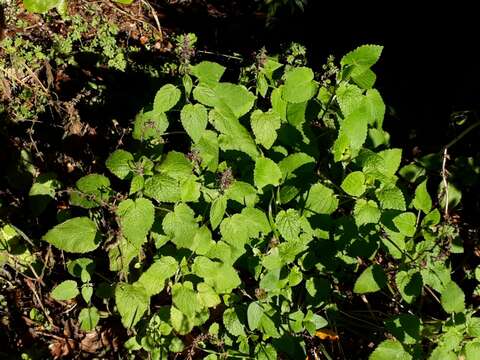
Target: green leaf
x=184 y=298
x=180 y=226
x=162 y=188
x=363 y=56
x=391 y=197
x=41 y=6
x=93 y=190
x=406 y=328
x=288 y=224
x=222 y=277
x=232 y=323
x=354 y=183
x=208 y=72
x=207 y=148
x=376 y=106
x=119 y=163
x=81 y=268
x=391 y=161
x=265 y=126
x=234 y=99
x=153 y=279
x=207 y=295
x=194 y=119
x=150 y=125
x=422 y=200
x=320 y=200
x=87 y=292
x=371 y=280
x=166 y=98
x=234 y=136
x=265 y=352
x=180 y=322
x=136 y=219
x=137 y=184
x=43 y=192
x=217 y=211
x=279 y=106
x=132 y=302
x=88 y=318
x=243 y=193
x=299 y=85
x=349 y=98
x=294 y=162
x=390 y=350
x=366 y=212
x=254 y=315
x=190 y=189
x=409 y=284
x=66 y=290
x=355 y=127
x=122 y=254
x=406 y=223
x=472 y=350
x=77 y=235
x=453 y=298
x=266 y=173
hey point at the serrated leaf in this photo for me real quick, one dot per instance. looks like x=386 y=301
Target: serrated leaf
x=234 y=136
x=166 y=98
x=153 y=279
x=266 y=173
x=77 y=235
x=136 y=219
x=122 y=254
x=355 y=127
x=207 y=148
x=409 y=284
x=349 y=98
x=453 y=298
x=293 y=162
x=320 y=200
x=406 y=223
x=137 y=184
x=243 y=193
x=372 y=279
x=222 y=277
x=207 y=295
x=88 y=318
x=190 y=189
x=279 y=106
x=299 y=86
x=363 y=57
x=81 y=268
x=233 y=99
x=232 y=323
x=288 y=224
x=185 y=299
x=180 y=322
x=93 y=190
x=391 y=197
x=66 y=290
x=42 y=192
x=405 y=327
x=254 y=315
x=391 y=160
x=208 y=72
x=366 y=212
x=375 y=106
x=150 y=125
x=217 y=211
x=265 y=126
x=87 y=292
x=194 y=119
x=162 y=188
x=119 y=163
x=390 y=350
x=132 y=302
x=354 y=183
x=422 y=200
x=181 y=226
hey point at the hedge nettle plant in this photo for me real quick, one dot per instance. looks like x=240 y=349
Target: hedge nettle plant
x=248 y=216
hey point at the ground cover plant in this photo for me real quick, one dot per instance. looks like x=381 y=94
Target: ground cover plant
x=264 y=218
